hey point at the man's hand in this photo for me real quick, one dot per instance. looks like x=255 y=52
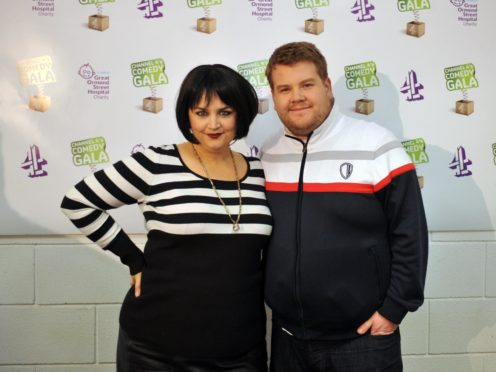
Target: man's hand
x=136 y=281
x=378 y=325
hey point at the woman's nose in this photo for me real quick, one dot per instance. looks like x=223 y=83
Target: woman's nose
x=214 y=122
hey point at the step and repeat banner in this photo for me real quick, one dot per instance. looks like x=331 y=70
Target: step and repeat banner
x=84 y=83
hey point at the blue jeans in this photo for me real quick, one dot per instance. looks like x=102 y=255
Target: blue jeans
x=365 y=353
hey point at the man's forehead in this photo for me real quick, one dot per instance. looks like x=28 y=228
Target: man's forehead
x=295 y=72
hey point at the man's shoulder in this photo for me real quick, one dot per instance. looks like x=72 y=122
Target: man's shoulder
x=365 y=132
x=271 y=142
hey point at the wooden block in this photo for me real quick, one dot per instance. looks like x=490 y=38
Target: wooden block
x=207 y=25
x=314 y=26
x=153 y=104
x=364 y=106
x=421 y=181
x=263 y=105
x=464 y=107
x=98 y=22
x=416 y=29
x=39 y=103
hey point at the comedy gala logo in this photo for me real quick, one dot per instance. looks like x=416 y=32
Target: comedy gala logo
x=37 y=72
x=415 y=27
x=314 y=25
x=90 y=151
x=362 y=76
x=415 y=148
x=97 y=21
x=150 y=74
x=206 y=24
x=254 y=72
x=462 y=78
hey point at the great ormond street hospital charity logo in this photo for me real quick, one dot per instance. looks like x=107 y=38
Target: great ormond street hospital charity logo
x=261 y=9
x=467 y=11
x=98 y=83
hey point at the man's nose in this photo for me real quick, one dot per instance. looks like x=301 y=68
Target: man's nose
x=297 y=95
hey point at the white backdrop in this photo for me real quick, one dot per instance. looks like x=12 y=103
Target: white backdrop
x=355 y=31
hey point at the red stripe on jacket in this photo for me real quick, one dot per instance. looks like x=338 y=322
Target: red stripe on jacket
x=360 y=188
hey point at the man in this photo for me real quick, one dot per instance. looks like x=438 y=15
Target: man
x=348 y=254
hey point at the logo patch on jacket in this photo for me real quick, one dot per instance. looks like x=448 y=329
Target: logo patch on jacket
x=346 y=169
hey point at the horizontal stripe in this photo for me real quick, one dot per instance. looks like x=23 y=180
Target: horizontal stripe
x=360 y=188
x=210 y=228
x=188 y=186
x=396 y=172
x=220 y=218
x=332 y=155
x=200 y=199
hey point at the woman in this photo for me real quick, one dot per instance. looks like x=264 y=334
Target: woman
x=196 y=303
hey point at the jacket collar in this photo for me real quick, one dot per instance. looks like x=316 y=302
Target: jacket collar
x=323 y=130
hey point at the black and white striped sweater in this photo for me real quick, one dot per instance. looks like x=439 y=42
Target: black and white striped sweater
x=201 y=282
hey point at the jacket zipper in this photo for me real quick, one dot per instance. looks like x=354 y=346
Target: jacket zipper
x=299 y=201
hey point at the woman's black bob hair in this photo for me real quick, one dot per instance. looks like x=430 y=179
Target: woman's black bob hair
x=210 y=80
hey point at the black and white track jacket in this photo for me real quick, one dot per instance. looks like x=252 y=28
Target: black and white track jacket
x=350 y=235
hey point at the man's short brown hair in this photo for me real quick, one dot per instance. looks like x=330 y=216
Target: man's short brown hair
x=291 y=53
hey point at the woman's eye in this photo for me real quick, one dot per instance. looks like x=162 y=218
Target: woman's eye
x=201 y=113
x=226 y=112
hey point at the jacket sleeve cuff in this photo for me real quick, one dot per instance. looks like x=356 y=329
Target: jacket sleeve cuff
x=392 y=311
x=128 y=252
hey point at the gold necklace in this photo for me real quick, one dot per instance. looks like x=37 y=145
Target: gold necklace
x=235 y=222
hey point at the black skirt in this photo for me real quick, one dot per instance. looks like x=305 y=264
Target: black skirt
x=133 y=356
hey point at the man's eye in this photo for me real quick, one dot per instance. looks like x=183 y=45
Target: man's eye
x=308 y=85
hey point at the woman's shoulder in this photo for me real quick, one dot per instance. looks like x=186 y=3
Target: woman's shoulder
x=164 y=154
x=163 y=149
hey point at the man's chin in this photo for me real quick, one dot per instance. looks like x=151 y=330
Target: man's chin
x=298 y=131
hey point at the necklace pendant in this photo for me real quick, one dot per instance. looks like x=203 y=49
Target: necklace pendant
x=236 y=227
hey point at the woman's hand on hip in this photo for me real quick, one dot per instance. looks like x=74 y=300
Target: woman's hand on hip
x=136 y=282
